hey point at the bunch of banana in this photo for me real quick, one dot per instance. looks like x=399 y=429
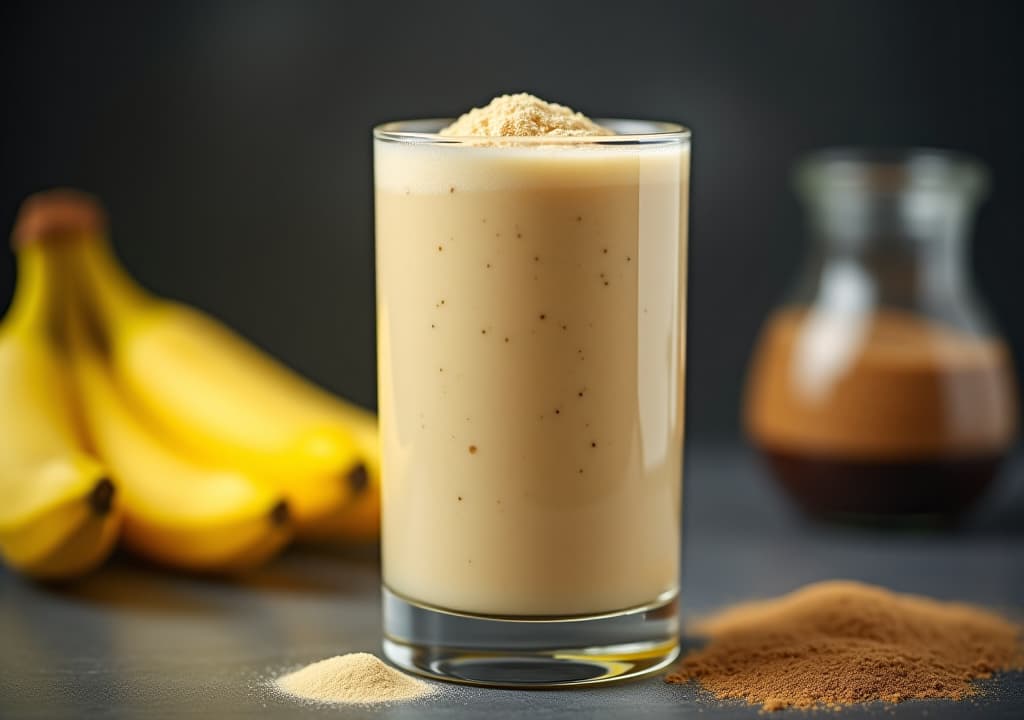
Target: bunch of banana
x=58 y=511
x=219 y=452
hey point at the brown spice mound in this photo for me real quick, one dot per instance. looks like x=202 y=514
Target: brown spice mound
x=838 y=643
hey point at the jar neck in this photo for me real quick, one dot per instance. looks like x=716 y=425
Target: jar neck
x=891 y=231
x=911 y=248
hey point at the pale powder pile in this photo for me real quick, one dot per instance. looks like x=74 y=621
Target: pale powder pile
x=839 y=643
x=523 y=115
x=356 y=678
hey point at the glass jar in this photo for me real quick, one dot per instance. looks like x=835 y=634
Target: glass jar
x=880 y=390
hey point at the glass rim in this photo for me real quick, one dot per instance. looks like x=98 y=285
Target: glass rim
x=638 y=132
x=891 y=169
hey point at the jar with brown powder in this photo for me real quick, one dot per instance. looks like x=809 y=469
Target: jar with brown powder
x=881 y=390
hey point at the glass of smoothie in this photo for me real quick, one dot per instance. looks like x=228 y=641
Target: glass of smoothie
x=531 y=335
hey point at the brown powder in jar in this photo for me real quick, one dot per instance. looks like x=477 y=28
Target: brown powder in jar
x=839 y=643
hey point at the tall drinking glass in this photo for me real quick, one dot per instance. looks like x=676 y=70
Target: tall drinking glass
x=531 y=337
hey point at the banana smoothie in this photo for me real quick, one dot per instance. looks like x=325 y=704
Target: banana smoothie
x=531 y=307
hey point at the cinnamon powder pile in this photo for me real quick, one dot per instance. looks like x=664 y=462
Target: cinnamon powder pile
x=838 y=643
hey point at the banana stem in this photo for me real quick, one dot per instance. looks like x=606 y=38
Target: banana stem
x=31 y=296
x=105 y=289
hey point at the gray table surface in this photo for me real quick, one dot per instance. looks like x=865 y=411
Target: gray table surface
x=132 y=641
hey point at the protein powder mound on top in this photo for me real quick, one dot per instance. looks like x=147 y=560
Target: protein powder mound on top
x=839 y=643
x=523 y=115
x=356 y=678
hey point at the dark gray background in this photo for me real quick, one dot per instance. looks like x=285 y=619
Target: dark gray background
x=231 y=140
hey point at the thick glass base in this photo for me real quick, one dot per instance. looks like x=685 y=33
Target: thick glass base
x=529 y=652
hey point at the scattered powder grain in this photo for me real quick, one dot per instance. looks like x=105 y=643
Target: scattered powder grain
x=523 y=115
x=838 y=643
x=357 y=678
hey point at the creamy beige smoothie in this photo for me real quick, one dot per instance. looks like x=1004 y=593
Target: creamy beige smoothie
x=531 y=334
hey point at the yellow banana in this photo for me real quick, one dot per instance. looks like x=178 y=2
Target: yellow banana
x=58 y=518
x=177 y=512
x=218 y=396
x=360 y=523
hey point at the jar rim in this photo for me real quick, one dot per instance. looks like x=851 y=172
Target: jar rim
x=891 y=170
